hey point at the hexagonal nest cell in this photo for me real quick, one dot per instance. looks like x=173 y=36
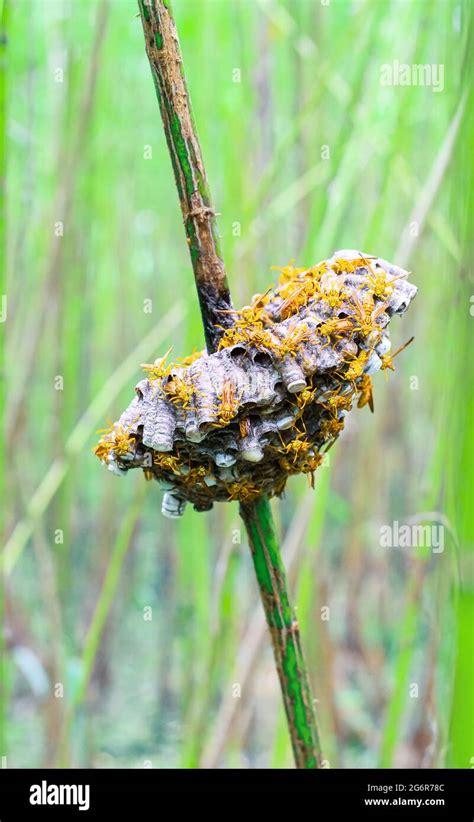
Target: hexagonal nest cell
x=272 y=400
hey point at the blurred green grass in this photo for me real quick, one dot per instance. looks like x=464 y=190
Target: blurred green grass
x=272 y=84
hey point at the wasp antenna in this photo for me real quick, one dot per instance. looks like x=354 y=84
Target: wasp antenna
x=163 y=358
x=260 y=297
x=402 y=347
x=398 y=277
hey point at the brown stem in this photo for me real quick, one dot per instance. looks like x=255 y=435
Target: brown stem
x=164 y=54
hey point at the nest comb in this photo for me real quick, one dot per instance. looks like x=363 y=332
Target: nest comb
x=271 y=401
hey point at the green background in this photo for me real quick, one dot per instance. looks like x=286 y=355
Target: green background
x=131 y=640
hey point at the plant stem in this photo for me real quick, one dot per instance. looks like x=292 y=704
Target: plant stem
x=164 y=54
x=284 y=633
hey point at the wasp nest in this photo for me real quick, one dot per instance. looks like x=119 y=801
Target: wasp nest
x=273 y=398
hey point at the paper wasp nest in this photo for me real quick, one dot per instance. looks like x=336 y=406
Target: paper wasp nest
x=272 y=400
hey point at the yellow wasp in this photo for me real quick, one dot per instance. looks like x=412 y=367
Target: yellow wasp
x=387 y=360
x=366 y=396
x=228 y=403
x=158 y=369
x=179 y=391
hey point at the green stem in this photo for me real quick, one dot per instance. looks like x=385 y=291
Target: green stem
x=284 y=634
x=164 y=54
